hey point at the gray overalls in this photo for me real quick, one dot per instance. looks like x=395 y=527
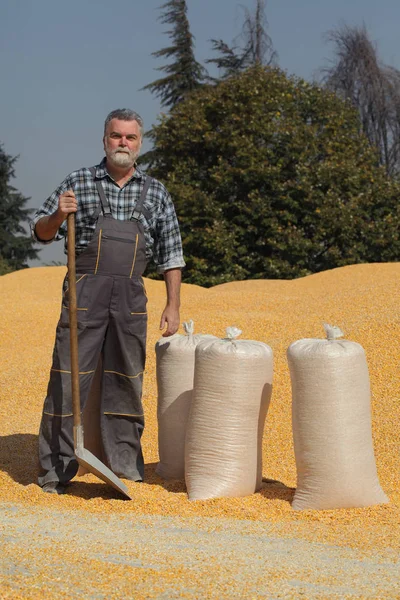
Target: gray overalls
x=112 y=322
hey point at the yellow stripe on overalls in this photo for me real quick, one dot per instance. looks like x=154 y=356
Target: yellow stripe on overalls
x=123 y=374
x=54 y=415
x=134 y=255
x=77 y=281
x=98 y=252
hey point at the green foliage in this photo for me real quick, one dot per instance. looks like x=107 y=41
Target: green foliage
x=271 y=178
x=4 y=267
x=15 y=246
x=185 y=74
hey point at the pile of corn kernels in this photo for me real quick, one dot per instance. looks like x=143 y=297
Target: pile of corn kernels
x=363 y=300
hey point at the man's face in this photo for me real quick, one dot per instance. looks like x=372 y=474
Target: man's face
x=122 y=142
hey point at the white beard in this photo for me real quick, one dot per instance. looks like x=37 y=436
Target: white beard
x=122 y=158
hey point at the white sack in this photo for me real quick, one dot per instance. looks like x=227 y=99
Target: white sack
x=175 y=371
x=331 y=418
x=232 y=391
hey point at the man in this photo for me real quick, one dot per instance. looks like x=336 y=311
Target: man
x=123 y=218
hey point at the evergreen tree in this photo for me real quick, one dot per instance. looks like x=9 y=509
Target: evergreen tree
x=257 y=45
x=185 y=74
x=15 y=246
x=231 y=59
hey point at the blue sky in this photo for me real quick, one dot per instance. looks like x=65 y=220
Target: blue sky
x=65 y=65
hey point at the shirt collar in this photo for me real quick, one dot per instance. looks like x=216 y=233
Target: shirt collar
x=101 y=171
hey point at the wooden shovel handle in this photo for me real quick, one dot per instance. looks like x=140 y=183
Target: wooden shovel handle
x=73 y=320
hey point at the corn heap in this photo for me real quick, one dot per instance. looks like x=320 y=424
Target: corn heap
x=362 y=299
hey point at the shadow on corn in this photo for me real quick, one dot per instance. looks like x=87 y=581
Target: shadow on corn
x=90 y=490
x=19 y=457
x=171 y=485
x=271 y=489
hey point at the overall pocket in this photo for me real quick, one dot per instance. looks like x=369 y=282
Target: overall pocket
x=81 y=297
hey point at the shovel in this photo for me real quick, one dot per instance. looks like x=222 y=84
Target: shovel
x=85 y=458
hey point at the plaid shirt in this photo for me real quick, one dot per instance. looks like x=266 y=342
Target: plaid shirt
x=161 y=229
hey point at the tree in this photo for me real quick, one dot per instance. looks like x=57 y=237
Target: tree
x=373 y=88
x=271 y=178
x=4 y=267
x=231 y=60
x=15 y=247
x=257 y=48
x=185 y=74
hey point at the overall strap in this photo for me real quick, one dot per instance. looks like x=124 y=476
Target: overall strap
x=139 y=207
x=103 y=198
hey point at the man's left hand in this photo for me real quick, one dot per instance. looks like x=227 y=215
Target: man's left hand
x=169 y=319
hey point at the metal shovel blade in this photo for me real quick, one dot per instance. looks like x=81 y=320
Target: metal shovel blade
x=84 y=457
x=92 y=464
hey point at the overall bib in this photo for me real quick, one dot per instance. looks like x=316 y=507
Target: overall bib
x=112 y=323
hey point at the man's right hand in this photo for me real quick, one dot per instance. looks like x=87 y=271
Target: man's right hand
x=47 y=227
x=66 y=204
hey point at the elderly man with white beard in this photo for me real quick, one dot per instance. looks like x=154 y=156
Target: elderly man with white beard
x=123 y=219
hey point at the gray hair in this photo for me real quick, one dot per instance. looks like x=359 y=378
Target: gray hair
x=124 y=114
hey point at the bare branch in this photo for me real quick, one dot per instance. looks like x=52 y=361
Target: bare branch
x=257 y=41
x=373 y=88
